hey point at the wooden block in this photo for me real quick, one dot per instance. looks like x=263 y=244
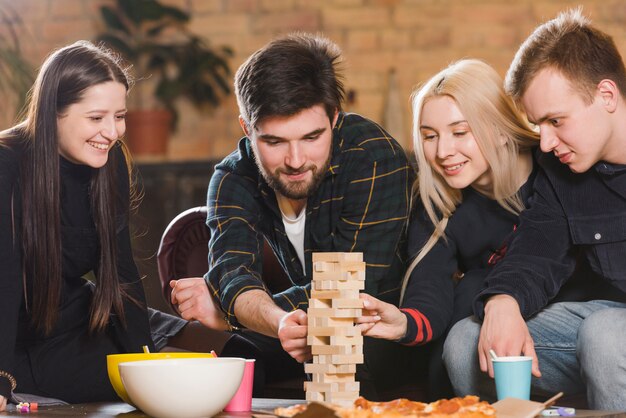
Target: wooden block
x=353 y=266
x=334 y=313
x=349 y=387
x=321 y=387
x=317 y=340
x=345 y=368
x=320 y=266
x=322 y=359
x=346 y=358
x=332 y=331
x=338 y=285
x=331 y=349
x=329 y=368
x=344 y=395
x=334 y=378
x=342 y=399
x=314 y=396
x=335 y=294
x=346 y=303
x=350 y=266
x=321 y=321
x=357 y=275
x=339 y=275
x=337 y=257
x=336 y=349
x=345 y=340
x=320 y=303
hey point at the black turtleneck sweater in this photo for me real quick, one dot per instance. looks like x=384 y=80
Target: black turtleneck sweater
x=70 y=362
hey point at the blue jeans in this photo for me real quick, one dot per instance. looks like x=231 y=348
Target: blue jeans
x=580 y=347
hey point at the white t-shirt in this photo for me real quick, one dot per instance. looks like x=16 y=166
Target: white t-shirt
x=294 y=226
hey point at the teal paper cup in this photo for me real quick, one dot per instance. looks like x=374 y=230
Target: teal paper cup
x=513 y=377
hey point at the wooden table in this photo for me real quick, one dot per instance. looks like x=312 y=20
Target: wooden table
x=260 y=408
x=120 y=409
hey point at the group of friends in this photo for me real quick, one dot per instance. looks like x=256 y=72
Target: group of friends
x=510 y=234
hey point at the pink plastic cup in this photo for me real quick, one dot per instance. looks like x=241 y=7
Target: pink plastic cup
x=242 y=401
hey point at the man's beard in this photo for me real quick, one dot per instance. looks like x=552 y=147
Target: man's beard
x=296 y=189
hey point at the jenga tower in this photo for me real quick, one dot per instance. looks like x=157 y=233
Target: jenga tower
x=336 y=343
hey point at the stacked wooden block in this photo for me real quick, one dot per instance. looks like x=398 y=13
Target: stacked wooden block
x=336 y=343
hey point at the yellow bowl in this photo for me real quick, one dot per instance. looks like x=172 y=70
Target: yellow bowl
x=113 y=360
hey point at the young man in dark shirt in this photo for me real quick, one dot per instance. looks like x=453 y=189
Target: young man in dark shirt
x=570 y=80
x=307 y=178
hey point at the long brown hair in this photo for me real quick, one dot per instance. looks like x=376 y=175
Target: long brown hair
x=62 y=81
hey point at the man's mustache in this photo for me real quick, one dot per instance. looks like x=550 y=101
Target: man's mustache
x=290 y=172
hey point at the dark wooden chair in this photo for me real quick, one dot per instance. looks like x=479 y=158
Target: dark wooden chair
x=183 y=252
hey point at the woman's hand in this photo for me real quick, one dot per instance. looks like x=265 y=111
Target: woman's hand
x=381 y=319
x=3 y=403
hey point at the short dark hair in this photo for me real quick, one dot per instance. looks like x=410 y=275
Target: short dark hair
x=288 y=75
x=570 y=45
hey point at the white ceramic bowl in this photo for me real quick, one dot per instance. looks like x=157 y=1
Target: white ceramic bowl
x=182 y=388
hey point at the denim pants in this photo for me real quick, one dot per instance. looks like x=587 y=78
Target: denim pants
x=581 y=346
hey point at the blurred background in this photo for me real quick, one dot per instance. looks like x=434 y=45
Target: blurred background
x=184 y=53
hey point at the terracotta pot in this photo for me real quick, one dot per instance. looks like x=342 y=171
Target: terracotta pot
x=148 y=131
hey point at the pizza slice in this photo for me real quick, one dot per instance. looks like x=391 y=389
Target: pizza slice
x=467 y=407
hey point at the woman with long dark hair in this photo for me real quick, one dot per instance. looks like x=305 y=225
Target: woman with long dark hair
x=71 y=293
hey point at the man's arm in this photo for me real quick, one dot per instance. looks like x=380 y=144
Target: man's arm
x=236 y=244
x=256 y=310
x=540 y=257
x=504 y=331
x=539 y=260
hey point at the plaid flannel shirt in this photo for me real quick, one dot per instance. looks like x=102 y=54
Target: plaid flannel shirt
x=362 y=205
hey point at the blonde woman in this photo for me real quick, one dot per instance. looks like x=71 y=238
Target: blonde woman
x=475 y=170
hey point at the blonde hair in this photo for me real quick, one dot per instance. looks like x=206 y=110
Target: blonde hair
x=499 y=128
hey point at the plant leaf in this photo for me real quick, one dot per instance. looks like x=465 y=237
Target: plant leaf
x=112 y=20
x=176 y=14
x=118 y=44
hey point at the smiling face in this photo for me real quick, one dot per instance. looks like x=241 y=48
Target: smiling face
x=293 y=152
x=88 y=129
x=577 y=132
x=450 y=147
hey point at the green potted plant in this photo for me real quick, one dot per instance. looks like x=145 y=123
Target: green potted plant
x=16 y=74
x=169 y=63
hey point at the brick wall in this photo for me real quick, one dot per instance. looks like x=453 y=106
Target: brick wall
x=416 y=38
